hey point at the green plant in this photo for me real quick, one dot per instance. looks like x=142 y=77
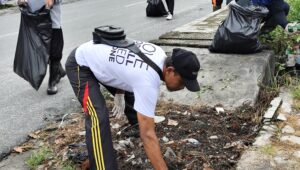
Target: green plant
x=279 y=41
x=68 y=166
x=38 y=157
x=294 y=14
x=268 y=149
x=296 y=92
x=6 y=6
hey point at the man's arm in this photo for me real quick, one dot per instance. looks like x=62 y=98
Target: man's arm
x=150 y=141
x=49 y=3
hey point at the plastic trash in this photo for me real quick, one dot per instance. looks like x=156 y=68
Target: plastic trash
x=155 y=8
x=32 y=51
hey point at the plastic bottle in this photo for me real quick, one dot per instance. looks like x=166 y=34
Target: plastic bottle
x=290 y=62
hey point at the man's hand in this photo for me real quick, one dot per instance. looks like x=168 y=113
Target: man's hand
x=119 y=106
x=150 y=141
x=49 y=4
x=22 y=2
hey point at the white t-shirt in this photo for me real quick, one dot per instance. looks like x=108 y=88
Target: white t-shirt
x=122 y=69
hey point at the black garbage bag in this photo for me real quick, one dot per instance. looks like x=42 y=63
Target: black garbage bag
x=240 y=30
x=155 y=8
x=32 y=52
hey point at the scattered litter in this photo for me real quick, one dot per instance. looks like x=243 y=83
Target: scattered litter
x=115 y=126
x=33 y=135
x=281 y=117
x=214 y=137
x=172 y=122
x=237 y=144
x=192 y=141
x=186 y=113
x=130 y=158
x=159 y=119
x=170 y=153
x=220 y=110
x=165 y=139
x=18 y=149
x=170 y=142
x=82 y=133
x=62 y=119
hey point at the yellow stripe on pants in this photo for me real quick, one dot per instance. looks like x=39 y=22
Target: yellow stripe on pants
x=96 y=136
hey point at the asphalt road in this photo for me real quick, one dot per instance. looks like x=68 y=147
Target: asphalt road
x=22 y=109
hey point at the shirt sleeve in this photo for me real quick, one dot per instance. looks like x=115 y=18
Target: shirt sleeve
x=145 y=100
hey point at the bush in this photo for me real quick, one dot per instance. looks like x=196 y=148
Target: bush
x=294 y=14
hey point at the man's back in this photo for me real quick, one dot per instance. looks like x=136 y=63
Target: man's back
x=124 y=70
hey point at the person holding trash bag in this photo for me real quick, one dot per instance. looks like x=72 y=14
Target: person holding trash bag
x=56 y=48
x=40 y=42
x=278 y=11
x=132 y=71
x=240 y=29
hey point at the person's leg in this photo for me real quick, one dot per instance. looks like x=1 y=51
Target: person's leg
x=129 y=111
x=217 y=4
x=278 y=11
x=280 y=14
x=228 y=1
x=170 y=4
x=55 y=56
x=98 y=133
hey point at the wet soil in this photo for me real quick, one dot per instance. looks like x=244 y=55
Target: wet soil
x=201 y=139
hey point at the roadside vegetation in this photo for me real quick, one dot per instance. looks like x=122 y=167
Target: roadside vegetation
x=6 y=6
x=283 y=44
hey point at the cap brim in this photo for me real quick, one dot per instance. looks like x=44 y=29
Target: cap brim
x=192 y=85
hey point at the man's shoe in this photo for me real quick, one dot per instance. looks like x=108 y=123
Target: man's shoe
x=52 y=89
x=169 y=17
x=61 y=74
x=53 y=78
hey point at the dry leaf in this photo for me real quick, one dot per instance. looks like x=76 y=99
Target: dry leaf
x=172 y=122
x=18 y=149
x=207 y=167
x=34 y=136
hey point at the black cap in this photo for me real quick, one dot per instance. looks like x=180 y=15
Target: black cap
x=187 y=65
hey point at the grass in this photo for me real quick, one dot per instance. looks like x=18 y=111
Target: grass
x=268 y=149
x=38 y=157
x=295 y=91
x=68 y=166
x=6 y=6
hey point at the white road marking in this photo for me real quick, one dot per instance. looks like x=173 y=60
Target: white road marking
x=9 y=34
x=133 y=4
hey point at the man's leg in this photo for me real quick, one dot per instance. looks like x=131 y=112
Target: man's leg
x=170 y=4
x=217 y=4
x=98 y=133
x=56 y=70
x=278 y=11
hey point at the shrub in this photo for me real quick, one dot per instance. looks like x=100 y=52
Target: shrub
x=294 y=14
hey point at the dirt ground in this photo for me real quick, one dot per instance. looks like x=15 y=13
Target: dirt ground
x=190 y=138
